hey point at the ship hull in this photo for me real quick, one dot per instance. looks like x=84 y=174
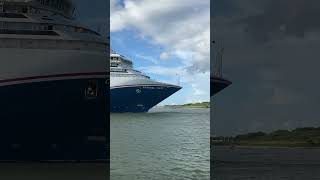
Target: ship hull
x=53 y=120
x=139 y=98
x=217 y=85
x=48 y=112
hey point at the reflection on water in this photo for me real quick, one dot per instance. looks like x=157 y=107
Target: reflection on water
x=265 y=163
x=166 y=143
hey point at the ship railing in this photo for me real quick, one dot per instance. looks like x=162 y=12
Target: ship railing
x=126 y=75
x=51 y=44
x=140 y=73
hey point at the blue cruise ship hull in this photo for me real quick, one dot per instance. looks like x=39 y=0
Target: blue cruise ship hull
x=139 y=98
x=218 y=84
x=54 y=120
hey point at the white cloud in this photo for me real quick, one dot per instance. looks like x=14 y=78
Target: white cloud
x=177 y=25
x=164 y=56
x=148 y=58
x=181 y=27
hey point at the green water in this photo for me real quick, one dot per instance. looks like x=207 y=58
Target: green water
x=166 y=143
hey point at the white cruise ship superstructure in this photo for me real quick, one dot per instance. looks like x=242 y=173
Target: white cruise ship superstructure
x=52 y=83
x=133 y=91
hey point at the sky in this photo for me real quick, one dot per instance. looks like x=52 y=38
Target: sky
x=169 y=40
x=94 y=13
x=271 y=54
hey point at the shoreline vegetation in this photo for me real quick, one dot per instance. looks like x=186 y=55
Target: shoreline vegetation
x=301 y=137
x=191 y=105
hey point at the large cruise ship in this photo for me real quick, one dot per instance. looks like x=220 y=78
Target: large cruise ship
x=52 y=83
x=133 y=91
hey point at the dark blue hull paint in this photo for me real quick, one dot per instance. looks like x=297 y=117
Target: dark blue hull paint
x=139 y=98
x=217 y=85
x=52 y=120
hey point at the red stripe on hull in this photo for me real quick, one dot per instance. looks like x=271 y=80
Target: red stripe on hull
x=52 y=76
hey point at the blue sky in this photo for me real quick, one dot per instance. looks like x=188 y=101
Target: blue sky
x=169 y=40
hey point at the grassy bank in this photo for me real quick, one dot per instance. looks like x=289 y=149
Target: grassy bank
x=300 y=137
x=192 y=105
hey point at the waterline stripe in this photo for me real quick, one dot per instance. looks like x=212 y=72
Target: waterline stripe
x=145 y=85
x=53 y=76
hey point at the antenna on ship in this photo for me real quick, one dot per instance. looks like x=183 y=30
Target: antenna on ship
x=216 y=80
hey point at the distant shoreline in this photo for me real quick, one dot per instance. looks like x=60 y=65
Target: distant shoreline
x=190 y=105
x=307 y=137
x=267 y=147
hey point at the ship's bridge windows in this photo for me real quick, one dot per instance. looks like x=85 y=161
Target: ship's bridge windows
x=12 y=15
x=119 y=70
x=24 y=10
x=114 y=58
x=28 y=32
x=61 y=5
x=50 y=44
x=78 y=29
x=114 y=64
x=14 y=8
x=48 y=19
x=36 y=26
x=33 y=10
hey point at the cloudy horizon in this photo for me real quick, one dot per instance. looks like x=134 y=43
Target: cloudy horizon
x=271 y=56
x=169 y=40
